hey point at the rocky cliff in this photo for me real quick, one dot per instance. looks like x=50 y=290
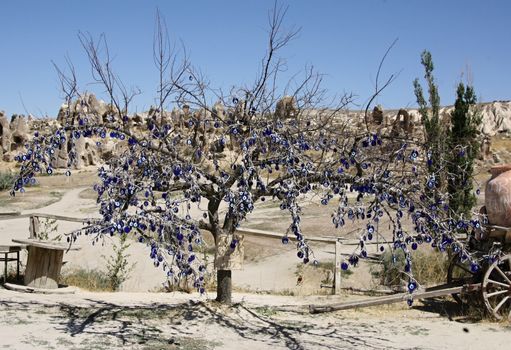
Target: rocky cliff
x=16 y=132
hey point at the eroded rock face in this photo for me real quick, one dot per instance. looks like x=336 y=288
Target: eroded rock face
x=87 y=152
x=218 y=110
x=5 y=134
x=95 y=110
x=377 y=115
x=20 y=132
x=286 y=108
x=496 y=116
x=405 y=122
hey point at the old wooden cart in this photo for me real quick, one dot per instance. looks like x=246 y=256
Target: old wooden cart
x=487 y=282
x=492 y=278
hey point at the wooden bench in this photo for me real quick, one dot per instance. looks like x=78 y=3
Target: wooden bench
x=44 y=262
x=6 y=250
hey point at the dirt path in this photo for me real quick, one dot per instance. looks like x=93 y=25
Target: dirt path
x=178 y=321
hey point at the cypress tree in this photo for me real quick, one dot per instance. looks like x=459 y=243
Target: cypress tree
x=464 y=145
x=434 y=133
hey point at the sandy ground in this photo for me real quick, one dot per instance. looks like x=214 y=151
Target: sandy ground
x=183 y=321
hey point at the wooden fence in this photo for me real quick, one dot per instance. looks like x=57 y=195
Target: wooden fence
x=338 y=242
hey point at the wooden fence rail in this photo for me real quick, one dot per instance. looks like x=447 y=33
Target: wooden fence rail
x=339 y=242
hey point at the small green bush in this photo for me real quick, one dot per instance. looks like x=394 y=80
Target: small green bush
x=118 y=265
x=6 y=180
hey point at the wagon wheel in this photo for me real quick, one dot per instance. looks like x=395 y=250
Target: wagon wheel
x=496 y=287
x=459 y=273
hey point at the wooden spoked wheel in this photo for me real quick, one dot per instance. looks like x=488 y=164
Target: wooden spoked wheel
x=496 y=288
x=459 y=273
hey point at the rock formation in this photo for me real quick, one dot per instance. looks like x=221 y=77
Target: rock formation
x=14 y=134
x=377 y=115
x=5 y=135
x=286 y=108
x=403 y=123
x=95 y=110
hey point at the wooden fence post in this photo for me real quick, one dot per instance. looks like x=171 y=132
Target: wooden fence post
x=337 y=268
x=34 y=227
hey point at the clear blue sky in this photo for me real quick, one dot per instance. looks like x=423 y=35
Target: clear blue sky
x=226 y=38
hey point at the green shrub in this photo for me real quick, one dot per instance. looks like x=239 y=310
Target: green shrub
x=6 y=180
x=118 y=266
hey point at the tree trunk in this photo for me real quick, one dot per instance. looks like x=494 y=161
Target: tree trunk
x=223 y=286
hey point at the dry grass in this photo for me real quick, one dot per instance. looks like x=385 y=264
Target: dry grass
x=429 y=267
x=91 y=280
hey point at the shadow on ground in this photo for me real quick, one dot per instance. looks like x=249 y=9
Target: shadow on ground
x=190 y=325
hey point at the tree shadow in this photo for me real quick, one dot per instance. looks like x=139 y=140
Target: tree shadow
x=157 y=324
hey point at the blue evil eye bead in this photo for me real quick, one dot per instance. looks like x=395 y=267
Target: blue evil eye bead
x=177 y=170
x=409 y=301
x=478 y=191
x=414 y=154
x=370 y=229
x=412 y=285
x=49 y=171
x=68 y=173
x=382 y=248
x=285 y=240
x=300 y=254
x=474 y=267
x=344 y=265
x=414 y=246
